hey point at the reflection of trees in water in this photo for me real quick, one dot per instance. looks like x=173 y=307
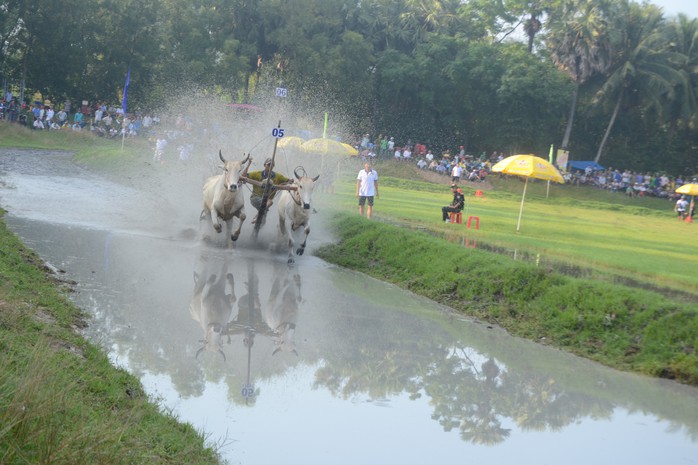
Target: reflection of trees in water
x=374 y=354
x=537 y=402
x=465 y=396
x=471 y=393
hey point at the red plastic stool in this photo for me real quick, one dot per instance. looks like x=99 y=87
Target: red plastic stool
x=477 y=221
x=456 y=217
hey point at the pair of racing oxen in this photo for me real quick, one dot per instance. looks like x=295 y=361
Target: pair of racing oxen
x=224 y=201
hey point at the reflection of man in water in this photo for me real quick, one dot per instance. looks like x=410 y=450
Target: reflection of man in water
x=249 y=318
x=277 y=318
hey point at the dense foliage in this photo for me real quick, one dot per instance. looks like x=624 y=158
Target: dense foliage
x=608 y=79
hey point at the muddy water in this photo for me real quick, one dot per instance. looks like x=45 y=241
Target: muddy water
x=311 y=363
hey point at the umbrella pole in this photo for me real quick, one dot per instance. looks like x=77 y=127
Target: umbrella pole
x=518 y=225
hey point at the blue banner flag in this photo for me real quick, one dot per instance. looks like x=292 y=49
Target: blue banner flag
x=124 y=99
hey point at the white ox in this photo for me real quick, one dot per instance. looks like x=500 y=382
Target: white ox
x=294 y=212
x=281 y=312
x=212 y=304
x=223 y=199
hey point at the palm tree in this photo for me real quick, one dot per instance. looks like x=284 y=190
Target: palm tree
x=684 y=40
x=580 y=45
x=644 y=66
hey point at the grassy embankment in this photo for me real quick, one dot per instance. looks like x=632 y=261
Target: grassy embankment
x=61 y=401
x=606 y=277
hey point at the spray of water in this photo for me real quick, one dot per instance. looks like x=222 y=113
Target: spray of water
x=197 y=125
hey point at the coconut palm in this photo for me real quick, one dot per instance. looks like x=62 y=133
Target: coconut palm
x=683 y=37
x=579 y=44
x=645 y=70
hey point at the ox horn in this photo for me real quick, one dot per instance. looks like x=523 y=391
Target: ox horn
x=246 y=158
x=220 y=154
x=316 y=178
x=295 y=171
x=220 y=351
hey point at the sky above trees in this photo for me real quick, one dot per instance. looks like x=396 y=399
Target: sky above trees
x=674 y=7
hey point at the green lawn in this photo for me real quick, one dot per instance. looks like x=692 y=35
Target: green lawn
x=578 y=228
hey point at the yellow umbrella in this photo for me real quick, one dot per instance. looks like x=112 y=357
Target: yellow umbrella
x=290 y=143
x=351 y=151
x=528 y=166
x=327 y=147
x=688 y=189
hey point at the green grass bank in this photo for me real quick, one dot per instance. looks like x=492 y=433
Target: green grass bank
x=61 y=401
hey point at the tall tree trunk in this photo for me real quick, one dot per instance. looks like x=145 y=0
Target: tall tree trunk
x=570 y=119
x=610 y=126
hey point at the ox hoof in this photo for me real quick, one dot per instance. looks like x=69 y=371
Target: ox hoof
x=291 y=261
x=234 y=237
x=218 y=228
x=300 y=251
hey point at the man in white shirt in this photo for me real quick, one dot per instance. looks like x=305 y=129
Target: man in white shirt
x=366 y=189
x=456 y=173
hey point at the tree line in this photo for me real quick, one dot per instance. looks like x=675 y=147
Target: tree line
x=610 y=80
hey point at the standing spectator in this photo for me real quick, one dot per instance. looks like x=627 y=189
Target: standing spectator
x=160 y=145
x=49 y=117
x=391 y=145
x=12 y=110
x=99 y=113
x=77 y=119
x=67 y=106
x=383 y=151
x=456 y=172
x=456 y=205
x=62 y=117
x=366 y=189
x=681 y=207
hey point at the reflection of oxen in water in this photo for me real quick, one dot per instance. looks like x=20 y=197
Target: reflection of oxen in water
x=212 y=303
x=281 y=311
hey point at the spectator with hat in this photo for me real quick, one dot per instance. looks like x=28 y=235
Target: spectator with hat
x=456 y=205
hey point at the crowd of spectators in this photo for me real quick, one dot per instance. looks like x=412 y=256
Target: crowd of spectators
x=627 y=182
x=458 y=165
x=102 y=118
